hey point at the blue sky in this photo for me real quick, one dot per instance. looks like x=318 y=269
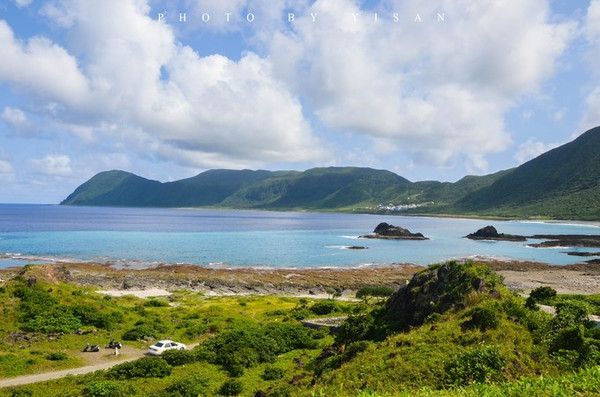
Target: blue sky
x=429 y=89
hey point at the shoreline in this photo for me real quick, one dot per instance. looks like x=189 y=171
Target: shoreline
x=522 y=277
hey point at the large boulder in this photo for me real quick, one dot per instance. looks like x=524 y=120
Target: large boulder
x=387 y=231
x=438 y=289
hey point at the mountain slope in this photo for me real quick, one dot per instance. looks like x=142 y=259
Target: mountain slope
x=318 y=188
x=561 y=183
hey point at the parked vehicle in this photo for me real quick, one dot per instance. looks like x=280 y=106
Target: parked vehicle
x=91 y=349
x=163 y=345
x=112 y=344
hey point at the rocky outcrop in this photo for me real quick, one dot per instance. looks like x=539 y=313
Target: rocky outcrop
x=567 y=240
x=387 y=231
x=438 y=289
x=490 y=233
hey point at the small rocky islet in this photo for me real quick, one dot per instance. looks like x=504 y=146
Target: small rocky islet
x=386 y=231
x=490 y=233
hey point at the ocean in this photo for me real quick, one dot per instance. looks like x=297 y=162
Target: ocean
x=143 y=237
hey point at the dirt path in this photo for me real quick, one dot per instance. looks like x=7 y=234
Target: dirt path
x=110 y=360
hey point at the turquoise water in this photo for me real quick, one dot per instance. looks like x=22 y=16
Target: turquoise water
x=142 y=237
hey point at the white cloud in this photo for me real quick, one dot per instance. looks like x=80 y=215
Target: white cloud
x=437 y=91
x=591 y=31
x=23 y=3
x=13 y=116
x=531 y=149
x=441 y=85
x=5 y=168
x=127 y=69
x=44 y=68
x=53 y=165
x=17 y=119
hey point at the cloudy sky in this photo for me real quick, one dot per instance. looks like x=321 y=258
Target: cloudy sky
x=429 y=89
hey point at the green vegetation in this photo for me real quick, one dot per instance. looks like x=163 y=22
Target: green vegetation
x=453 y=330
x=563 y=183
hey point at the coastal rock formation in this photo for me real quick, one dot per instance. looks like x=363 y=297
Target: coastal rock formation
x=566 y=240
x=438 y=289
x=490 y=233
x=387 y=231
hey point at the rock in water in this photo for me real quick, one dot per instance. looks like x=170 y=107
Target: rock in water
x=490 y=233
x=387 y=231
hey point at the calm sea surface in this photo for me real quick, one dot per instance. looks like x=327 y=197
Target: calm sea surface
x=146 y=236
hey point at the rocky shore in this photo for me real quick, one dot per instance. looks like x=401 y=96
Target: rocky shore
x=521 y=276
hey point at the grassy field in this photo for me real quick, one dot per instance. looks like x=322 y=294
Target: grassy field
x=486 y=342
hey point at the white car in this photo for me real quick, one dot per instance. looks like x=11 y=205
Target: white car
x=163 y=345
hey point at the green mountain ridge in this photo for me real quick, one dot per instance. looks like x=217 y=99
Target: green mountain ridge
x=563 y=183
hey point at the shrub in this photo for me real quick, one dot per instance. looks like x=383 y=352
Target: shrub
x=57 y=356
x=571 y=338
x=231 y=387
x=365 y=293
x=324 y=307
x=355 y=328
x=108 y=388
x=21 y=393
x=155 y=303
x=273 y=373
x=90 y=315
x=55 y=319
x=193 y=330
x=34 y=302
x=299 y=313
x=482 y=318
x=144 y=330
x=146 y=367
x=570 y=313
x=178 y=357
x=479 y=365
x=190 y=386
x=248 y=346
x=543 y=294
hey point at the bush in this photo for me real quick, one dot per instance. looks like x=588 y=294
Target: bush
x=108 y=388
x=190 y=386
x=194 y=330
x=144 y=330
x=543 y=294
x=21 y=393
x=90 y=315
x=56 y=319
x=571 y=338
x=570 y=313
x=324 y=307
x=355 y=328
x=34 y=301
x=231 y=387
x=479 y=365
x=146 y=367
x=178 y=357
x=155 y=303
x=482 y=318
x=365 y=293
x=273 y=373
x=57 y=356
x=247 y=346
x=299 y=313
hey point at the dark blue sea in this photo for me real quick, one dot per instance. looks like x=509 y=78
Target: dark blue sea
x=141 y=237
